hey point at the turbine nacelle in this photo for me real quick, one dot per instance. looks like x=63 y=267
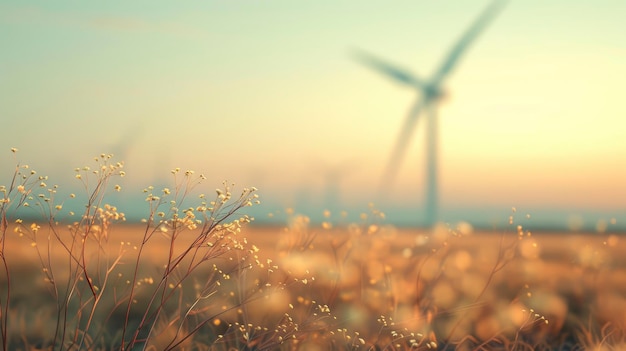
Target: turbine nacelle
x=434 y=93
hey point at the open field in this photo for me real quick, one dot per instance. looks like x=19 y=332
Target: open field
x=354 y=286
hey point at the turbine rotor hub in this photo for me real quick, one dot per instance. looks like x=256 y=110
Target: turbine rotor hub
x=434 y=93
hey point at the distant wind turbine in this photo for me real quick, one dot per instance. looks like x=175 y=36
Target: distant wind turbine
x=127 y=142
x=333 y=177
x=430 y=92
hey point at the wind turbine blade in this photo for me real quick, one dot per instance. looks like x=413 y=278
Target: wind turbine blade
x=392 y=71
x=399 y=150
x=467 y=38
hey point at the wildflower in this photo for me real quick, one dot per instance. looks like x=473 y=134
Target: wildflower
x=152 y=198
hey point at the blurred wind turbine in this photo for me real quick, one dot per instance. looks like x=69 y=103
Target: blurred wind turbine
x=333 y=176
x=430 y=92
x=127 y=142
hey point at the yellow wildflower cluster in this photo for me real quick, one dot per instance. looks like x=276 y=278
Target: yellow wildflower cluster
x=105 y=169
x=188 y=221
x=110 y=213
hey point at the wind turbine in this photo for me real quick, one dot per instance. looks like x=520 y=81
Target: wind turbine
x=333 y=176
x=127 y=142
x=430 y=91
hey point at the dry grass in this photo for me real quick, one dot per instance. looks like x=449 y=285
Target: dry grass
x=199 y=279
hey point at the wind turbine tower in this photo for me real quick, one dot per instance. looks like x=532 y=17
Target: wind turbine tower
x=430 y=91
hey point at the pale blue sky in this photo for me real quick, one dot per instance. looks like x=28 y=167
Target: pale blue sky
x=266 y=94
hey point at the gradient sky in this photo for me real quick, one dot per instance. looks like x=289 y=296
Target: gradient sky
x=265 y=93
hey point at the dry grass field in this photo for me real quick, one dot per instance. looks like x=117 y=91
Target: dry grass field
x=196 y=275
x=363 y=286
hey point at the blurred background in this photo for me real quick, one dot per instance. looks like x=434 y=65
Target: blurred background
x=268 y=94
